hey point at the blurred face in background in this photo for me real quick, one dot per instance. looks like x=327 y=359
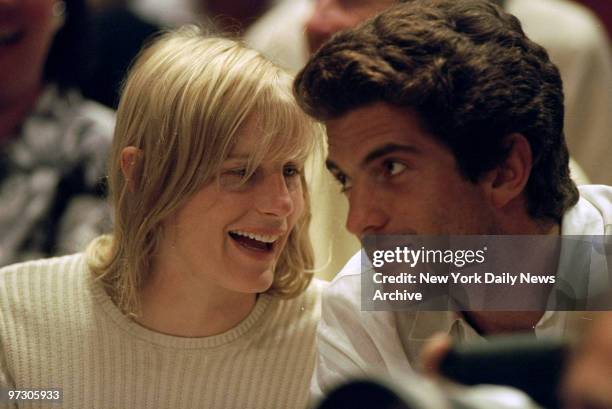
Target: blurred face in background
x=330 y=16
x=27 y=28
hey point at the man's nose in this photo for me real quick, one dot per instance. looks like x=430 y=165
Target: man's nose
x=366 y=212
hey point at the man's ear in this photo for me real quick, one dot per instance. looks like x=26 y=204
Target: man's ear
x=131 y=166
x=508 y=180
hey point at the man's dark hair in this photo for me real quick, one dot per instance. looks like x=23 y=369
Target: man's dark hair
x=471 y=74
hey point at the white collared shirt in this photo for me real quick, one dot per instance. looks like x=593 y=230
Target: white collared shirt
x=352 y=342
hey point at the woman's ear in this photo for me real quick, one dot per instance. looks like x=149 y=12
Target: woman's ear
x=508 y=180
x=131 y=166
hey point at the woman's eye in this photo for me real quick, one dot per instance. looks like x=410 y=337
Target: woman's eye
x=291 y=174
x=233 y=179
x=291 y=171
x=237 y=172
x=393 y=167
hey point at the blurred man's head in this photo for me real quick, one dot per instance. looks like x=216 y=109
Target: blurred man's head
x=330 y=16
x=442 y=118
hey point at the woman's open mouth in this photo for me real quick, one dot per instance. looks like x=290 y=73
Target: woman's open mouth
x=255 y=242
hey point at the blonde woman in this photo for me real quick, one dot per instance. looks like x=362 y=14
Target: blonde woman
x=202 y=297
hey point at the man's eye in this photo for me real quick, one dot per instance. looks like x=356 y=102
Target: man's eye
x=343 y=180
x=393 y=167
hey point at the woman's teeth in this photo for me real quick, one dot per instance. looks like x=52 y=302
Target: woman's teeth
x=258 y=237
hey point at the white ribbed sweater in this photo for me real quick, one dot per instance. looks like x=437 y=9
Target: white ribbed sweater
x=59 y=329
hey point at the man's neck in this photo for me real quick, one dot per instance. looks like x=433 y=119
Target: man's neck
x=500 y=322
x=516 y=221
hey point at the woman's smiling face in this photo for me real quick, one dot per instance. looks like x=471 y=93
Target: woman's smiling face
x=232 y=232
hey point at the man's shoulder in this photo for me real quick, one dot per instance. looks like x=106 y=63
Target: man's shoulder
x=346 y=285
x=350 y=272
x=598 y=195
x=593 y=212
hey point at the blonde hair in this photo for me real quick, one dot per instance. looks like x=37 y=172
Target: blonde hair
x=183 y=103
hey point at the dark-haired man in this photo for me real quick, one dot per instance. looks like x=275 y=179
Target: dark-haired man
x=443 y=119
x=574 y=37
x=293 y=29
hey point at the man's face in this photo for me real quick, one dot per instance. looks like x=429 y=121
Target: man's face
x=399 y=179
x=330 y=16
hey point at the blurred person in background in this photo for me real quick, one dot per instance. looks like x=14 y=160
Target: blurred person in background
x=203 y=295
x=588 y=377
x=120 y=28
x=53 y=143
x=574 y=38
x=234 y=15
x=117 y=35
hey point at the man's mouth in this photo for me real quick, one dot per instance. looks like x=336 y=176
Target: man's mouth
x=10 y=36
x=255 y=242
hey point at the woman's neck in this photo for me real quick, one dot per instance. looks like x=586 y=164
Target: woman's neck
x=176 y=305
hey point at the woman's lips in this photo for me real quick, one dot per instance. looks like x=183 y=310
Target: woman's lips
x=253 y=242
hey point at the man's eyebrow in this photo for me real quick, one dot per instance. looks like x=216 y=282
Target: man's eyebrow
x=375 y=154
x=385 y=150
